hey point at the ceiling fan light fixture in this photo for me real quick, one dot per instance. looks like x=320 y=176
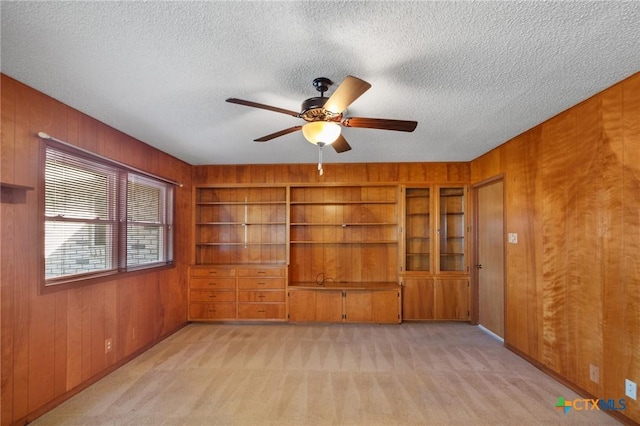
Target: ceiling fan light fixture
x=325 y=132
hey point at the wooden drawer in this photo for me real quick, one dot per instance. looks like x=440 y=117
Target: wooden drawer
x=261 y=272
x=212 y=310
x=261 y=311
x=260 y=283
x=213 y=272
x=212 y=296
x=213 y=283
x=261 y=296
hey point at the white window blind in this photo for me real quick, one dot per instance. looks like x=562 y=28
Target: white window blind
x=102 y=219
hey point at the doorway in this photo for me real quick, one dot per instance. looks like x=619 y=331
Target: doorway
x=490 y=255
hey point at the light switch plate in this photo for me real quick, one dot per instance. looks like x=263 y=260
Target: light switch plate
x=513 y=238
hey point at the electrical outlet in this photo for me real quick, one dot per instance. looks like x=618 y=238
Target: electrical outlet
x=594 y=373
x=630 y=389
x=513 y=237
x=108 y=345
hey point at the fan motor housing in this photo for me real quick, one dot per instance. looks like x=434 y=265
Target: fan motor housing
x=313 y=110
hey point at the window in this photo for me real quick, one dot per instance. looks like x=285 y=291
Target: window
x=101 y=218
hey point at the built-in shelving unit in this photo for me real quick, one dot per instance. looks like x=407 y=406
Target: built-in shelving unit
x=344 y=233
x=240 y=225
x=341 y=252
x=434 y=269
x=344 y=253
x=241 y=252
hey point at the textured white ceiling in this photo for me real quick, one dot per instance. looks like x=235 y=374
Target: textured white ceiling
x=473 y=74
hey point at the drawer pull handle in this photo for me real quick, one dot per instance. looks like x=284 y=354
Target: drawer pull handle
x=262 y=272
x=213 y=272
x=212 y=283
x=262 y=283
x=212 y=295
x=212 y=310
x=262 y=311
x=261 y=296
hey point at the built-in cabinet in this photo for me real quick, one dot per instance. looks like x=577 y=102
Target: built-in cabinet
x=335 y=303
x=241 y=253
x=434 y=262
x=330 y=253
x=238 y=292
x=344 y=253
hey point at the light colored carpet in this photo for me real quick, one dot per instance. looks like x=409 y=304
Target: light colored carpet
x=324 y=374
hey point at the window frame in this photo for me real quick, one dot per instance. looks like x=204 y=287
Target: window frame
x=119 y=245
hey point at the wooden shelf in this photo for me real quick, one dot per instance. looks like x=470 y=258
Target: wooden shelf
x=349 y=232
x=345 y=285
x=7 y=185
x=242 y=223
x=344 y=242
x=238 y=203
x=338 y=203
x=241 y=244
x=11 y=193
x=345 y=224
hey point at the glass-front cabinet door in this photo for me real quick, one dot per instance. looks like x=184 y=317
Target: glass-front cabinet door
x=452 y=229
x=418 y=229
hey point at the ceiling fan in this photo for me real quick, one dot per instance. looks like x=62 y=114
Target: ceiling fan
x=324 y=116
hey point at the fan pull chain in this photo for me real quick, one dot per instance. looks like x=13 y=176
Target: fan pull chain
x=320 y=170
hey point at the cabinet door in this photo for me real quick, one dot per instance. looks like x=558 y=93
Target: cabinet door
x=417 y=226
x=386 y=306
x=329 y=306
x=417 y=298
x=381 y=306
x=452 y=299
x=452 y=229
x=358 y=306
x=302 y=305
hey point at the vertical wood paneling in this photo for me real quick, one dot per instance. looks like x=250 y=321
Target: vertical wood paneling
x=7 y=283
x=611 y=229
x=22 y=265
x=333 y=173
x=42 y=308
x=74 y=338
x=60 y=345
x=588 y=285
x=524 y=267
x=53 y=343
x=558 y=224
x=631 y=248
x=573 y=196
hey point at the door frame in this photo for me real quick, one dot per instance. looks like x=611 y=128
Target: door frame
x=475 y=292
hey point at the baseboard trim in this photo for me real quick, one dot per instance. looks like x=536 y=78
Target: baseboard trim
x=490 y=333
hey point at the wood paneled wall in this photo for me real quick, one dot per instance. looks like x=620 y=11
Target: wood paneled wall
x=345 y=173
x=573 y=280
x=54 y=344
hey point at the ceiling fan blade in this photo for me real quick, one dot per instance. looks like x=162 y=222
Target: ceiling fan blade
x=348 y=91
x=278 y=134
x=262 y=106
x=380 y=123
x=341 y=145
